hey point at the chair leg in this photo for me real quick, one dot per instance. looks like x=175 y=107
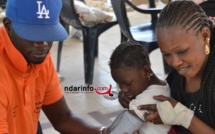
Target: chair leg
x=89 y=56
x=60 y=46
x=96 y=49
x=123 y=38
x=39 y=129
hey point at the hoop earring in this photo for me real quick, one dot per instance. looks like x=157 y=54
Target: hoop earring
x=207 y=49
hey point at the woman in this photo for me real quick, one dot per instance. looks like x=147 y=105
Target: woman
x=186 y=39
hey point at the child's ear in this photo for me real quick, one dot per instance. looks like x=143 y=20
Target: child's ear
x=147 y=70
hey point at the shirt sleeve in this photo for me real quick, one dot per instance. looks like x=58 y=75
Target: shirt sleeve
x=3 y=112
x=53 y=91
x=141 y=99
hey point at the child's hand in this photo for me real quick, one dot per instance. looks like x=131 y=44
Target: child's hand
x=123 y=100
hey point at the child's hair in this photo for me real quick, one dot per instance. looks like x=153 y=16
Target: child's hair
x=129 y=54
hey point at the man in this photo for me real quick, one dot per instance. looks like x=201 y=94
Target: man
x=28 y=80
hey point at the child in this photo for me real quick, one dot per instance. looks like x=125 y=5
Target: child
x=130 y=69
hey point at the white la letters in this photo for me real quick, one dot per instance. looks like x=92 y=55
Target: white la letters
x=42 y=11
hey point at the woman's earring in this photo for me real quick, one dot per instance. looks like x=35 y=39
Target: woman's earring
x=207 y=49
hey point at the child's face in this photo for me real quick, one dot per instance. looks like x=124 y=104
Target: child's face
x=131 y=80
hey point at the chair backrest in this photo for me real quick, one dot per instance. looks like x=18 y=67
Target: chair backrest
x=120 y=11
x=68 y=14
x=119 y=7
x=153 y=15
x=3 y=3
x=208 y=7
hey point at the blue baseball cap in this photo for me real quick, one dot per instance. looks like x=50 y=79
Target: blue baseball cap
x=36 y=20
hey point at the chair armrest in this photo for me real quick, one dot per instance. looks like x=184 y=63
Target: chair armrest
x=148 y=10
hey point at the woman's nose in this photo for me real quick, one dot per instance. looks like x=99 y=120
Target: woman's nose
x=176 y=61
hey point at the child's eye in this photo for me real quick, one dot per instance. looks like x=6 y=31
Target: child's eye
x=128 y=83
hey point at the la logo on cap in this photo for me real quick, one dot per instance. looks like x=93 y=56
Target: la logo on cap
x=39 y=23
x=42 y=10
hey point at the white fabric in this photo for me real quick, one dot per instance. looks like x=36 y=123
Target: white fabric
x=146 y=97
x=125 y=123
x=179 y=115
x=90 y=16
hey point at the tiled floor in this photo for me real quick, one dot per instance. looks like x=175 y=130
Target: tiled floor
x=92 y=106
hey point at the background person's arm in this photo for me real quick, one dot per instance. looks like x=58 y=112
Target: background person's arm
x=66 y=121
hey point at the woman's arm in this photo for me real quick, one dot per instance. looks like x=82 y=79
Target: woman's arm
x=196 y=126
x=199 y=127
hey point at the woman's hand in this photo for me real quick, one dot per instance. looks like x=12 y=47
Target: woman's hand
x=123 y=100
x=154 y=116
x=170 y=112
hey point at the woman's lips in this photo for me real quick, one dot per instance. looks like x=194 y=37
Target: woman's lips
x=183 y=70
